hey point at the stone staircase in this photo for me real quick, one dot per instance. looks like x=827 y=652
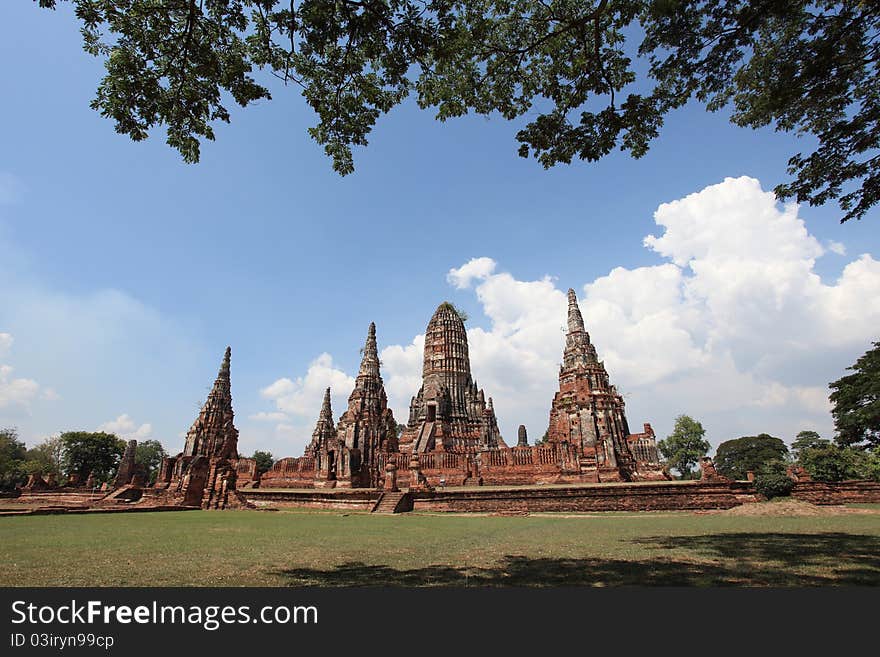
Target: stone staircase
x=426 y=432
x=399 y=502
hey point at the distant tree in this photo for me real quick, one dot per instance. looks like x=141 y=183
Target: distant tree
x=684 y=447
x=149 y=454
x=807 y=440
x=772 y=480
x=856 y=402
x=734 y=458
x=87 y=452
x=543 y=439
x=400 y=429
x=12 y=457
x=831 y=462
x=264 y=460
x=45 y=457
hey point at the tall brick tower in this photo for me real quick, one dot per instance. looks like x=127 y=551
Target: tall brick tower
x=449 y=412
x=324 y=432
x=367 y=427
x=213 y=434
x=208 y=470
x=588 y=412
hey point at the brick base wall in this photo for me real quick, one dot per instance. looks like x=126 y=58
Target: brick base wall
x=353 y=498
x=660 y=496
x=842 y=492
x=647 y=496
x=58 y=498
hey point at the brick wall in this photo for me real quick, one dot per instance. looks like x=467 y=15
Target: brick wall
x=843 y=492
x=659 y=496
x=350 y=498
x=290 y=473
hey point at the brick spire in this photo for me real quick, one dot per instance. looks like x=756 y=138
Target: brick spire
x=213 y=433
x=367 y=424
x=324 y=431
x=370 y=361
x=578 y=349
x=369 y=391
x=223 y=378
x=326 y=411
x=575 y=319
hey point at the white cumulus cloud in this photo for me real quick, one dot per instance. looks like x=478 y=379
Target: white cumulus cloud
x=837 y=247
x=5 y=343
x=16 y=391
x=125 y=427
x=733 y=326
x=402 y=374
x=298 y=402
x=271 y=416
x=475 y=269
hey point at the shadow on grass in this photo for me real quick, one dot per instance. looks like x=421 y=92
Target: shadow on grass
x=724 y=559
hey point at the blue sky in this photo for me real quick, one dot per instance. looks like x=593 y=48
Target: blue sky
x=124 y=272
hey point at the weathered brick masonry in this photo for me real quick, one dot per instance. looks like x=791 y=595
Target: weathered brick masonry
x=642 y=496
x=452 y=436
x=648 y=496
x=355 y=499
x=842 y=492
x=208 y=472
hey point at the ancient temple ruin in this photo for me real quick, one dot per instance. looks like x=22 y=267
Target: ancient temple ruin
x=449 y=412
x=452 y=436
x=348 y=454
x=588 y=412
x=208 y=470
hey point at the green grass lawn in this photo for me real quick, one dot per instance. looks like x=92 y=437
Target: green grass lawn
x=232 y=548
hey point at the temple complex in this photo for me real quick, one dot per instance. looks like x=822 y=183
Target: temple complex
x=451 y=440
x=452 y=436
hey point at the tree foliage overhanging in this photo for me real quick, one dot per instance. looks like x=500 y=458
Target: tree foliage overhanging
x=592 y=75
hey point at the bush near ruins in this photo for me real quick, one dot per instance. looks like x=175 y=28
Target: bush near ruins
x=773 y=481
